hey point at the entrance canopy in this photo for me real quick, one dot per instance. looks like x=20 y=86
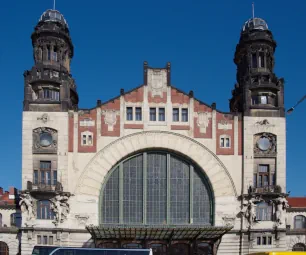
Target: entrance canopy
x=155 y=232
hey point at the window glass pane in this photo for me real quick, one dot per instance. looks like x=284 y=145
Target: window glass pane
x=263 y=99
x=35 y=176
x=201 y=200
x=255 y=180
x=227 y=142
x=54 y=177
x=258 y=240
x=45 y=165
x=263 y=168
x=129 y=113
x=184 y=114
x=45 y=240
x=156 y=188
x=161 y=114
x=254 y=60
x=179 y=191
x=110 y=205
x=264 y=240
x=84 y=139
x=38 y=239
x=269 y=240
x=48 y=176
x=264 y=211
x=266 y=181
x=152 y=114
x=138 y=113
x=89 y=139
x=261 y=59
x=175 y=114
x=133 y=190
x=43 y=177
x=222 y=142
x=50 y=240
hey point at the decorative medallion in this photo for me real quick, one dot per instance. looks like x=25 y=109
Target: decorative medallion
x=203 y=121
x=44 y=118
x=110 y=118
x=44 y=140
x=265 y=144
x=157 y=81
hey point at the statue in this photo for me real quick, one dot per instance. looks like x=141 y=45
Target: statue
x=281 y=205
x=26 y=205
x=60 y=207
x=249 y=211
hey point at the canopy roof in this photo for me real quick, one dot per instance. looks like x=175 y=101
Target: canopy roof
x=155 y=232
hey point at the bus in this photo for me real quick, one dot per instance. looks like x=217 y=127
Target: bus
x=95 y=251
x=43 y=250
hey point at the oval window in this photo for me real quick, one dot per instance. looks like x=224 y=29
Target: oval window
x=263 y=143
x=45 y=139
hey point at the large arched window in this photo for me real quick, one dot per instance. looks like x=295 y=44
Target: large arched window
x=299 y=247
x=299 y=222
x=156 y=188
x=4 y=250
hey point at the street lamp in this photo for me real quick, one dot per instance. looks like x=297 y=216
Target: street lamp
x=293 y=107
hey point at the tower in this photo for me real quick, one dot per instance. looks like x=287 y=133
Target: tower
x=49 y=85
x=258 y=91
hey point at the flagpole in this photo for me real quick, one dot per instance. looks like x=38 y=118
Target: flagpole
x=54 y=4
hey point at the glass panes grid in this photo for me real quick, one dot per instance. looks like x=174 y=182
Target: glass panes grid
x=156 y=188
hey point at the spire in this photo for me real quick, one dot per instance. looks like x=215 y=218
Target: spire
x=54 y=2
x=253 y=10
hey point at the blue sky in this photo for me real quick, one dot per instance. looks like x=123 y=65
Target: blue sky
x=113 y=38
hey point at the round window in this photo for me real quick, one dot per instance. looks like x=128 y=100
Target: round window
x=45 y=139
x=263 y=143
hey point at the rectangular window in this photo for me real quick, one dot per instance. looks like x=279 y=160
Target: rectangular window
x=84 y=140
x=129 y=113
x=152 y=114
x=48 y=177
x=35 y=177
x=54 y=177
x=38 y=239
x=273 y=179
x=263 y=168
x=176 y=114
x=44 y=210
x=161 y=114
x=263 y=100
x=227 y=140
x=258 y=240
x=260 y=181
x=261 y=59
x=264 y=240
x=185 y=115
x=255 y=100
x=50 y=240
x=263 y=172
x=48 y=53
x=89 y=139
x=254 y=60
x=138 y=113
x=222 y=143
x=269 y=240
x=45 y=240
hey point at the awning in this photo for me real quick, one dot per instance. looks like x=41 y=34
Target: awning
x=155 y=232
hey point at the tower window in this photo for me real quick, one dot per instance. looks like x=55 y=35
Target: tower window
x=51 y=94
x=152 y=114
x=254 y=60
x=45 y=175
x=261 y=59
x=48 y=53
x=54 y=54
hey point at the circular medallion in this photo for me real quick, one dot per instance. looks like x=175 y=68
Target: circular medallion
x=45 y=139
x=263 y=143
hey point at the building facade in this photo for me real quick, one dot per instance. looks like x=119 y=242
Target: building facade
x=10 y=222
x=155 y=166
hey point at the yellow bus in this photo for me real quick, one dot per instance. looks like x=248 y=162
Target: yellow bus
x=280 y=253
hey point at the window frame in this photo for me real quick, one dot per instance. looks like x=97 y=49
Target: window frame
x=225 y=141
x=138 y=113
x=175 y=114
x=184 y=115
x=303 y=221
x=161 y=114
x=87 y=139
x=43 y=210
x=153 y=114
x=44 y=176
x=129 y=113
x=264 y=212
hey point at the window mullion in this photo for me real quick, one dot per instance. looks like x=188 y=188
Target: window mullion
x=121 y=193
x=144 y=205
x=168 y=188
x=191 y=170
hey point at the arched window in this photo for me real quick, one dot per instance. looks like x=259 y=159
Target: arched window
x=4 y=250
x=156 y=188
x=299 y=247
x=299 y=222
x=264 y=211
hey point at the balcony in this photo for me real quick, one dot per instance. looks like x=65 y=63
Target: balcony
x=271 y=189
x=44 y=190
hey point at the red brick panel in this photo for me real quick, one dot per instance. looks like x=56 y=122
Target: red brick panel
x=240 y=137
x=92 y=115
x=198 y=107
x=134 y=96
x=230 y=120
x=133 y=126
x=112 y=105
x=179 y=97
x=70 y=133
x=116 y=128
x=157 y=99
x=180 y=127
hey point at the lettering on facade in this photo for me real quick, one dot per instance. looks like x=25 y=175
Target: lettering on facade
x=203 y=121
x=110 y=118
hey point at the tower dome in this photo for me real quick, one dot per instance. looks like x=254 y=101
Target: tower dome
x=255 y=24
x=53 y=16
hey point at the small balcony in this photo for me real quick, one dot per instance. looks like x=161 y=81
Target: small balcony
x=271 y=189
x=44 y=190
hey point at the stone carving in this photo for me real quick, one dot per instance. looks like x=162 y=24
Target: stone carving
x=110 y=118
x=82 y=218
x=269 y=146
x=203 y=121
x=44 y=144
x=281 y=206
x=264 y=122
x=224 y=125
x=249 y=211
x=229 y=221
x=44 y=118
x=157 y=81
x=60 y=207
x=87 y=123
x=26 y=204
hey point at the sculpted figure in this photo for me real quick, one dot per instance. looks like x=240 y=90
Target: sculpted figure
x=249 y=211
x=60 y=207
x=26 y=205
x=281 y=205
